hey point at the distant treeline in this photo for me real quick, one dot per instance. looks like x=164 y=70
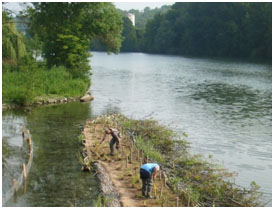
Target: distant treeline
x=233 y=30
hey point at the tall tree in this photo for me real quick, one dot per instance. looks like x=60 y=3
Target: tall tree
x=129 y=34
x=13 y=42
x=67 y=28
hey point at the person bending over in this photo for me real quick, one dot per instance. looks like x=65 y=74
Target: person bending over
x=148 y=174
x=116 y=139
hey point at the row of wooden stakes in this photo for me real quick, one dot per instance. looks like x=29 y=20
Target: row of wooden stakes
x=30 y=153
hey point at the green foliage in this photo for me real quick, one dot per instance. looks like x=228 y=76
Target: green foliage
x=133 y=37
x=142 y=17
x=101 y=201
x=204 y=184
x=13 y=42
x=129 y=34
x=212 y=29
x=66 y=29
x=135 y=180
x=26 y=85
x=98 y=202
x=149 y=151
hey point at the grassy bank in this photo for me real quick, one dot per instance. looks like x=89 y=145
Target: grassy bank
x=195 y=180
x=25 y=86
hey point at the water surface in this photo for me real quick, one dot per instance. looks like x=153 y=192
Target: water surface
x=224 y=106
x=55 y=178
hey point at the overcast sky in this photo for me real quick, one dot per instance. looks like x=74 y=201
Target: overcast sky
x=121 y=5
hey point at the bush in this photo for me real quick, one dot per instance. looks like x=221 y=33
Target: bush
x=29 y=83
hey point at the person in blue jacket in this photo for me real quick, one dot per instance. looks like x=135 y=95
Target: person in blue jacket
x=148 y=174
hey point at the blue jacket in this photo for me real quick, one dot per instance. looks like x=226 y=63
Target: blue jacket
x=149 y=167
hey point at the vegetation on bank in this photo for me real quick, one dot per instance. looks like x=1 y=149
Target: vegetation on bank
x=203 y=29
x=62 y=39
x=29 y=86
x=196 y=180
x=216 y=29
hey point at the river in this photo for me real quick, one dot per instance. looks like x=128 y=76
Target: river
x=55 y=178
x=224 y=106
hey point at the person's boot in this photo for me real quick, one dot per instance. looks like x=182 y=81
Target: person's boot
x=143 y=194
x=149 y=196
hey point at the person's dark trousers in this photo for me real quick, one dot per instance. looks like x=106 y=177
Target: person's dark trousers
x=112 y=142
x=146 y=182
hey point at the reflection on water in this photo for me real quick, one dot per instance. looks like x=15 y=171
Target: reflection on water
x=55 y=178
x=14 y=150
x=238 y=101
x=224 y=106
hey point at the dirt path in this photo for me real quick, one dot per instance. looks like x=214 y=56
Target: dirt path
x=125 y=176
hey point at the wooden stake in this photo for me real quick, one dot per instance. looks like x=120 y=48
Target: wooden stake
x=28 y=134
x=131 y=151
x=138 y=154
x=29 y=155
x=161 y=192
x=155 y=190
x=126 y=161
x=30 y=148
x=14 y=185
x=177 y=201
x=165 y=179
x=30 y=144
x=24 y=172
x=141 y=162
x=25 y=187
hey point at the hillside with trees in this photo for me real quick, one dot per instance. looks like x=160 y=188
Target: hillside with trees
x=133 y=37
x=142 y=17
x=228 y=30
x=212 y=29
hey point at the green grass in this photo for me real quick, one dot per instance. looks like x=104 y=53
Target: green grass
x=23 y=87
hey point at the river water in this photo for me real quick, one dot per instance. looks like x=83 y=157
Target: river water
x=55 y=178
x=225 y=107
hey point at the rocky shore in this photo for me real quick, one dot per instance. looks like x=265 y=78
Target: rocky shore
x=48 y=101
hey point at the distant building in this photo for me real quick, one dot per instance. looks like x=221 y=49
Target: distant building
x=132 y=18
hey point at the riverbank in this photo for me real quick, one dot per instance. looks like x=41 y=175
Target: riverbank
x=49 y=101
x=122 y=171
x=40 y=86
x=192 y=181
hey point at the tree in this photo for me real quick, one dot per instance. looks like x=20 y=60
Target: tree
x=129 y=34
x=67 y=28
x=212 y=29
x=13 y=42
